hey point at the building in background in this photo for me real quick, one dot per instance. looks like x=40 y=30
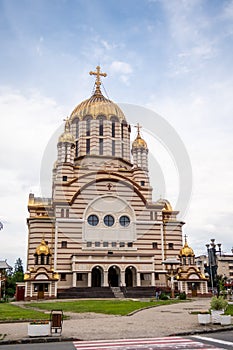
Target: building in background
x=100 y=228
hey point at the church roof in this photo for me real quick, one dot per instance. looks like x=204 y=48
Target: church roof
x=186 y=250
x=139 y=142
x=67 y=136
x=97 y=104
x=43 y=248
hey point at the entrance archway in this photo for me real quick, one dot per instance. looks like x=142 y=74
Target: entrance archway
x=130 y=273
x=113 y=276
x=96 y=275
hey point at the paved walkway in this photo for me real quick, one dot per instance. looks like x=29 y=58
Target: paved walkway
x=153 y=322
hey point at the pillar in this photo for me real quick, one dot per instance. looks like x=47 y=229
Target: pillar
x=89 y=279
x=105 y=279
x=138 y=279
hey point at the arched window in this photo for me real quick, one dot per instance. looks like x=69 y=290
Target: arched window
x=76 y=149
x=47 y=259
x=88 y=126
x=101 y=126
x=113 y=148
x=36 y=259
x=42 y=259
x=114 y=120
x=77 y=128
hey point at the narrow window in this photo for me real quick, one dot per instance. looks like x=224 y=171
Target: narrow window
x=67 y=213
x=122 y=150
x=64 y=244
x=62 y=213
x=77 y=129
x=89 y=244
x=130 y=244
x=114 y=244
x=88 y=146
x=151 y=215
x=63 y=276
x=122 y=244
x=156 y=276
x=170 y=246
x=36 y=259
x=88 y=127
x=101 y=146
x=122 y=131
x=101 y=127
x=113 y=128
x=64 y=178
x=76 y=149
x=113 y=147
x=105 y=244
x=155 y=215
x=154 y=245
x=142 y=183
x=47 y=259
x=97 y=244
x=42 y=259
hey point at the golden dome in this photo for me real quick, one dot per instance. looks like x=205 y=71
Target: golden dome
x=139 y=142
x=43 y=248
x=67 y=136
x=97 y=104
x=186 y=250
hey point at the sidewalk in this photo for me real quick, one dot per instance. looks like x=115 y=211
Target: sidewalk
x=159 y=321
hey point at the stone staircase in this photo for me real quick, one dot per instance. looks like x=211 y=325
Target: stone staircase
x=117 y=292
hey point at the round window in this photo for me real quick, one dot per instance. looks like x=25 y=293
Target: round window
x=109 y=220
x=124 y=220
x=93 y=220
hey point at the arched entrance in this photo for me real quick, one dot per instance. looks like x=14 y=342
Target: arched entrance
x=113 y=276
x=96 y=274
x=130 y=274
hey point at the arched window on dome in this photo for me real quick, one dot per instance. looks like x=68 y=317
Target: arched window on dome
x=77 y=128
x=101 y=119
x=88 y=119
x=114 y=120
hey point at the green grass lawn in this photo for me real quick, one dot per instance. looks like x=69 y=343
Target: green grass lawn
x=112 y=307
x=9 y=312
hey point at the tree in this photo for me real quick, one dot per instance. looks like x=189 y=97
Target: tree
x=12 y=278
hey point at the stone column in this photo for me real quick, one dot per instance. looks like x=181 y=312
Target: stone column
x=122 y=279
x=105 y=278
x=89 y=279
x=74 y=279
x=152 y=279
x=138 y=279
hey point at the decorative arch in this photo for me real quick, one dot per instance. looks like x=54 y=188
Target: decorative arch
x=97 y=276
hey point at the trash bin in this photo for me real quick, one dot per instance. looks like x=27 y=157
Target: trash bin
x=56 y=320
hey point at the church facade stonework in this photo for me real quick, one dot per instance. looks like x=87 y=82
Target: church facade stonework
x=100 y=227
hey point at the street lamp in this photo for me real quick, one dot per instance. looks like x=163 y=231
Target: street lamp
x=212 y=261
x=171 y=267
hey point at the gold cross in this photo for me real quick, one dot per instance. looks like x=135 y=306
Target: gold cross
x=98 y=75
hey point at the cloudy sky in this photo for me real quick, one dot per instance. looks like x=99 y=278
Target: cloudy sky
x=172 y=58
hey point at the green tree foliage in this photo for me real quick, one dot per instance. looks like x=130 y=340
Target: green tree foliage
x=12 y=277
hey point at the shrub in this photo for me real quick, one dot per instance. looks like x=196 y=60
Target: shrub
x=163 y=296
x=218 y=303
x=182 y=296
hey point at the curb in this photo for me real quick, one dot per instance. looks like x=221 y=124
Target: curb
x=71 y=339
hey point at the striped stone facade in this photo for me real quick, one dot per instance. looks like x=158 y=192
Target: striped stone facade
x=100 y=227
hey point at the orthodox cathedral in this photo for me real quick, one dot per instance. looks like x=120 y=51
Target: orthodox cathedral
x=100 y=229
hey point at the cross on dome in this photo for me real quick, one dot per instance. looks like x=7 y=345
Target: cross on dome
x=98 y=75
x=138 y=126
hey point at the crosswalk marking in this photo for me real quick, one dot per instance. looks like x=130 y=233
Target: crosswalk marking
x=157 y=343
x=213 y=340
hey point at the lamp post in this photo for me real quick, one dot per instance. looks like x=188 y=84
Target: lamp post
x=171 y=267
x=212 y=261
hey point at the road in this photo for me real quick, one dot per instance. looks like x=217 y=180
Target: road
x=213 y=341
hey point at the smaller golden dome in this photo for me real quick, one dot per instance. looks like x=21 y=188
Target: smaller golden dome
x=67 y=136
x=186 y=250
x=43 y=248
x=139 y=142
